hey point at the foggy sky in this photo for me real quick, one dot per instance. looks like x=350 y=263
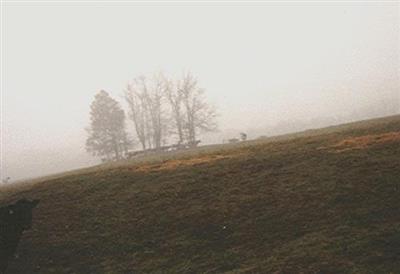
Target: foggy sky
x=262 y=64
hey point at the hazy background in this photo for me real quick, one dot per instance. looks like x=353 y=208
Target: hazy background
x=269 y=68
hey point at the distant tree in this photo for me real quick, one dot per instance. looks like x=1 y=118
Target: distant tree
x=159 y=107
x=154 y=98
x=175 y=99
x=138 y=112
x=107 y=136
x=145 y=98
x=199 y=115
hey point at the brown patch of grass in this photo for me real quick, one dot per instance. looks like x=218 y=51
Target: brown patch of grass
x=174 y=164
x=365 y=141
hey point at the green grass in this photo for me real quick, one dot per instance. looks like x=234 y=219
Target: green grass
x=288 y=204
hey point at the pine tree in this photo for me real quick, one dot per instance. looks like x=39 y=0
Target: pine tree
x=107 y=135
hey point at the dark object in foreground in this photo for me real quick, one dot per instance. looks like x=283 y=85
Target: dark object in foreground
x=14 y=219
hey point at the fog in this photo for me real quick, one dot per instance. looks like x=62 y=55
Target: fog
x=268 y=68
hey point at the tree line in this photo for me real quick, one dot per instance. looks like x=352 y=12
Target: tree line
x=162 y=110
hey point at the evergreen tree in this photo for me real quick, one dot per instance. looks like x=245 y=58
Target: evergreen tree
x=107 y=135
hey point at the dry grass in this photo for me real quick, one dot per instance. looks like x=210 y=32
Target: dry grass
x=278 y=205
x=363 y=142
x=173 y=164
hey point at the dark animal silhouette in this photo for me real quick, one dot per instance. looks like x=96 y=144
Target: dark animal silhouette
x=14 y=219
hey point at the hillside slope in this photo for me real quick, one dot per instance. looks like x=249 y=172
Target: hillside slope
x=322 y=201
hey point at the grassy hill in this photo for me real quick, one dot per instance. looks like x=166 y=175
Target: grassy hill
x=320 y=201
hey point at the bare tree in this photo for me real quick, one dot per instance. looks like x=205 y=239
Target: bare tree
x=154 y=98
x=145 y=100
x=188 y=113
x=138 y=111
x=199 y=115
x=175 y=99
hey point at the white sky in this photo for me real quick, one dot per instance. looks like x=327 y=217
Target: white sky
x=261 y=63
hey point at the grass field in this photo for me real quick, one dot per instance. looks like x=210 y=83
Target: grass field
x=320 y=201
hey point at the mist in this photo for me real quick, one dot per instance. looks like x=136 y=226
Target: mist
x=268 y=68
